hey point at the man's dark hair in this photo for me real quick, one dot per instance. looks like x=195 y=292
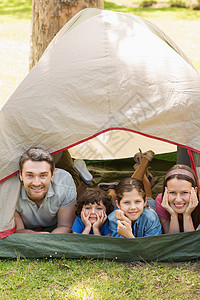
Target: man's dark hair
x=36 y=154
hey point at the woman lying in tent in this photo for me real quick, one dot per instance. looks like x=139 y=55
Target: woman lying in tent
x=178 y=206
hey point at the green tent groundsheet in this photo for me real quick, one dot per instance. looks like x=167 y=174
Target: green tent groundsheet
x=168 y=247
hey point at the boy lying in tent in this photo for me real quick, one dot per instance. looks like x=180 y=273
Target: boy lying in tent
x=48 y=195
x=92 y=211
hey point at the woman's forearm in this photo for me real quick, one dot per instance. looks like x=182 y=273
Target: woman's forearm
x=174 y=224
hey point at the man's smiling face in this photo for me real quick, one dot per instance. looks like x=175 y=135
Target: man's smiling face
x=36 y=176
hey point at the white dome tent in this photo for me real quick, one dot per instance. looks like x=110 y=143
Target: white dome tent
x=107 y=84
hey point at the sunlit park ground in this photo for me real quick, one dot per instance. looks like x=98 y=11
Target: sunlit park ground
x=89 y=279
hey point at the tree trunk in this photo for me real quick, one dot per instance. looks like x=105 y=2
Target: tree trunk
x=48 y=17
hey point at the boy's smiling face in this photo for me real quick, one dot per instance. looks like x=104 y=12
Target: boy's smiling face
x=92 y=210
x=132 y=204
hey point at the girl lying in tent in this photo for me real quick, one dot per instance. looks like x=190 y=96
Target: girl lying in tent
x=133 y=197
x=178 y=206
x=133 y=218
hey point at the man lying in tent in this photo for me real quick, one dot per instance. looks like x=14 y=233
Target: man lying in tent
x=48 y=195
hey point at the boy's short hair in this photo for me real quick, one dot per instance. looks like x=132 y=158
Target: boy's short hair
x=92 y=196
x=36 y=154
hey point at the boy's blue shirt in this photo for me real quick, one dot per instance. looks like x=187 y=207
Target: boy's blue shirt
x=78 y=227
x=147 y=224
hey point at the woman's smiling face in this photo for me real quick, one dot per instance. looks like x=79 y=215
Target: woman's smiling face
x=179 y=194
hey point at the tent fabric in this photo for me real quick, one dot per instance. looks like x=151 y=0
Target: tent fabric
x=9 y=195
x=168 y=247
x=110 y=73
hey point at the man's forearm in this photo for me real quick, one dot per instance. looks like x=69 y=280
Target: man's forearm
x=62 y=229
x=25 y=231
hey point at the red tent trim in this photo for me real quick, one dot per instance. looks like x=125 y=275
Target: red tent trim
x=7 y=232
x=106 y=130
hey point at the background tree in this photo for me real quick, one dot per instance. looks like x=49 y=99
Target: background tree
x=48 y=17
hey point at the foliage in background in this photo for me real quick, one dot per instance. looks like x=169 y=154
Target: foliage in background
x=193 y=4
x=165 y=13
x=22 y=8
x=17 y=8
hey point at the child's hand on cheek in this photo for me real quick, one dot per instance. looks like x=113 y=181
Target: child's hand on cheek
x=100 y=220
x=121 y=216
x=85 y=219
x=124 y=228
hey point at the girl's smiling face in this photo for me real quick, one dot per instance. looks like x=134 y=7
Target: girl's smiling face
x=132 y=204
x=179 y=194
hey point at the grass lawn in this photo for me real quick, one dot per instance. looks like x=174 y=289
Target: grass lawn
x=88 y=279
